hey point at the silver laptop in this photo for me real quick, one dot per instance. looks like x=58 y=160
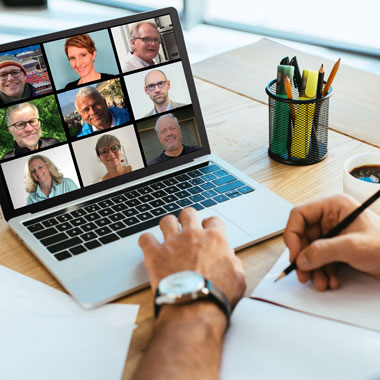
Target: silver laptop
x=103 y=136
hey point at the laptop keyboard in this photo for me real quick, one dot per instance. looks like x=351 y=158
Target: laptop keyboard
x=83 y=227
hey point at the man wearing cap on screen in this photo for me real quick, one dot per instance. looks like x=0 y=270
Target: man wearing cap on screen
x=12 y=81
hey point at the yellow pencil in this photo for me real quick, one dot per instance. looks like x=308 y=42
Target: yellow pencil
x=331 y=78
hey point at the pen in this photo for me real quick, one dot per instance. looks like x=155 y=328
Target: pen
x=331 y=78
x=337 y=229
x=321 y=75
x=285 y=61
x=289 y=94
x=297 y=74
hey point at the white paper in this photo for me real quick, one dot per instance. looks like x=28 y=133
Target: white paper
x=357 y=301
x=45 y=334
x=268 y=342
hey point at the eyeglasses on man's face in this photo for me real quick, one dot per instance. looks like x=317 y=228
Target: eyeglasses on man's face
x=148 y=40
x=13 y=73
x=22 y=124
x=113 y=149
x=152 y=86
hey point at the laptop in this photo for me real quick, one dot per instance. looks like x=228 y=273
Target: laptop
x=100 y=143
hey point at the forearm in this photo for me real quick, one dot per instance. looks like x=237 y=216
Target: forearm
x=186 y=343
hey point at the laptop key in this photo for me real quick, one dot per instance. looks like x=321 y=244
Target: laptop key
x=197 y=198
x=117 y=226
x=170 y=181
x=35 y=227
x=210 y=168
x=92 y=244
x=209 y=177
x=89 y=227
x=221 y=173
x=64 y=226
x=117 y=217
x=223 y=180
x=74 y=232
x=233 y=194
x=157 y=203
x=144 y=216
x=92 y=208
x=119 y=199
x=78 y=221
x=106 y=211
x=89 y=236
x=102 y=222
x=106 y=203
x=196 y=181
x=158 y=211
x=53 y=239
x=220 y=198
x=209 y=193
x=146 y=198
x=109 y=238
x=208 y=203
x=102 y=231
x=197 y=206
x=132 y=194
x=130 y=212
x=77 y=213
x=246 y=189
x=45 y=233
x=171 y=189
x=182 y=194
x=170 y=198
x=207 y=185
x=49 y=223
x=157 y=186
x=131 y=221
x=195 y=173
x=182 y=177
x=184 y=202
x=171 y=207
x=195 y=190
x=64 y=218
x=133 y=203
x=119 y=207
x=184 y=185
x=145 y=190
x=62 y=255
x=64 y=244
x=91 y=217
x=229 y=186
x=144 y=207
x=159 y=194
x=77 y=250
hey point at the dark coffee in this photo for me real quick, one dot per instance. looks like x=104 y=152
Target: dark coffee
x=368 y=173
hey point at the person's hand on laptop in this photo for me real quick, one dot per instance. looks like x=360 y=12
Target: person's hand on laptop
x=317 y=259
x=188 y=338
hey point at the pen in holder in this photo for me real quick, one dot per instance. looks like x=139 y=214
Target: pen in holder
x=305 y=128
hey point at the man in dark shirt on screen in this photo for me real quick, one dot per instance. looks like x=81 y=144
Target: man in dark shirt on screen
x=169 y=133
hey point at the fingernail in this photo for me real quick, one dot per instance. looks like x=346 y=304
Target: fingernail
x=303 y=262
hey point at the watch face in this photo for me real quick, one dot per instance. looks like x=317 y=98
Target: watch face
x=181 y=283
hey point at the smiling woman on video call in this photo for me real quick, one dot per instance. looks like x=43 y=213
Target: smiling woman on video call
x=81 y=52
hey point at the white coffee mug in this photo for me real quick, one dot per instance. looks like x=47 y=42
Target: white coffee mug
x=357 y=188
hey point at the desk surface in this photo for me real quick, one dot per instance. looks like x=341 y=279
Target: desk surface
x=237 y=126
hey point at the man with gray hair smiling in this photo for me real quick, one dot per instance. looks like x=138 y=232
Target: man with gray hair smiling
x=95 y=113
x=169 y=133
x=145 y=41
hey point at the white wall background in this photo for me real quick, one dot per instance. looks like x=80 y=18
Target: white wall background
x=91 y=168
x=14 y=172
x=141 y=102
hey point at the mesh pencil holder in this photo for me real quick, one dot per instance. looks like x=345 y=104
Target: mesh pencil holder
x=298 y=129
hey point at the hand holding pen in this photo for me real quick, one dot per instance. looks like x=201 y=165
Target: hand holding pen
x=317 y=259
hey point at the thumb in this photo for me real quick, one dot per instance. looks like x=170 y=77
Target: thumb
x=325 y=251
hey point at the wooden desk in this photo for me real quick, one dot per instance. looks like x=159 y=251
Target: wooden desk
x=238 y=131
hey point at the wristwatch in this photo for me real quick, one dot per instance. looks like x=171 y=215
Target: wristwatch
x=189 y=286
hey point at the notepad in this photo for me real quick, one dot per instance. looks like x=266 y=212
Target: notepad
x=312 y=335
x=45 y=335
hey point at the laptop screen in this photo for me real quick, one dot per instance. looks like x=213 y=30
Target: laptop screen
x=90 y=108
